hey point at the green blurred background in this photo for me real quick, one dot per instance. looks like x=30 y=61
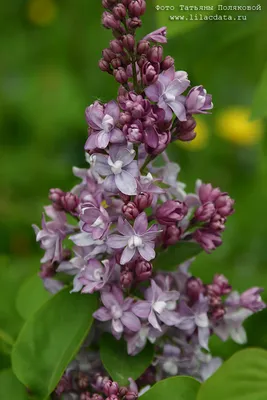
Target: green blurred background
x=49 y=74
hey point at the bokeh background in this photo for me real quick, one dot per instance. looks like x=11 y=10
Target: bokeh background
x=49 y=74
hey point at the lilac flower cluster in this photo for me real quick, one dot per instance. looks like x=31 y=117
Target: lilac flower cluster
x=126 y=211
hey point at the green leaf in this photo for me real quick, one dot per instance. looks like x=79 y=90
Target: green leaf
x=31 y=296
x=242 y=377
x=184 y=24
x=50 y=339
x=176 y=388
x=119 y=364
x=169 y=259
x=10 y=387
x=259 y=108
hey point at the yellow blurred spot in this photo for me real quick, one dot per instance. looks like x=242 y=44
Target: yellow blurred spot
x=201 y=140
x=234 y=125
x=42 y=12
x=104 y=204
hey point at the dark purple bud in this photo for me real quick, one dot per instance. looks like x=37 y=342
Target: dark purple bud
x=130 y=210
x=194 y=288
x=119 y=11
x=167 y=63
x=207 y=193
x=125 y=197
x=125 y=118
x=143 y=200
x=137 y=8
x=104 y=65
x=171 y=235
x=112 y=397
x=143 y=270
x=204 y=212
x=128 y=42
x=55 y=195
x=134 y=133
x=116 y=63
x=214 y=300
x=70 y=202
x=222 y=283
x=64 y=385
x=109 y=21
x=48 y=270
x=171 y=211
x=155 y=54
x=123 y=390
x=185 y=129
x=82 y=380
x=108 y=3
x=111 y=388
x=85 y=396
x=131 y=396
x=120 y=75
x=143 y=46
x=217 y=223
x=96 y=396
x=207 y=239
x=133 y=23
x=217 y=313
x=100 y=382
x=142 y=60
x=224 y=205
x=149 y=73
x=116 y=46
x=126 y=279
x=108 y=55
x=252 y=300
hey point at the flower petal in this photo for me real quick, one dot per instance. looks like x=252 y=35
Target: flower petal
x=147 y=252
x=102 y=139
x=126 y=183
x=113 y=110
x=101 y=165
x=131 y=321
x=127 y=255
x=102 y=314
x=141 y=309
x=140 y=224
x=117 y=241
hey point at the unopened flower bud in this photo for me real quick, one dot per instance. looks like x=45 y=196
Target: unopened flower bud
x=116 y=63
x=167 y=63
x=108 y=3
x=224 y=205
x=171 y=211
x=143 y=200
x=133 y=23
x=131 y=396
x=70 y=202
x=143 y=46
x=128 y=42
x=134 y=134
x=125 y=118
x=123 y=390
x=108 y=55
x=171 y=235
x=194 y=287
x=143 y=270
x=109 y=21
x=155 y=54
x=111 y=388
x=85 y=396
x=217 y=223
x=126 y=279
x=104 y=65
x=149 y=73
x=130 y=210
x=125 y=197
x=55 y=195
x=83 y=381
x=252 y=300
x=116 y=46
x=48 y=270
x=205 y=212
x=137 y=8
x=222 y=283
x=120 y=75
x=96 y=396
x=119 y=11
x=217 y=313
x=185 y=129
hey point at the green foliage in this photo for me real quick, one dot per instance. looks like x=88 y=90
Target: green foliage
x=242 y=377
x=259 y=109
x=50 y=339
x=178 y=388
x=10 y=387
x=169 y=259
x=119 y=364
x=31 y=296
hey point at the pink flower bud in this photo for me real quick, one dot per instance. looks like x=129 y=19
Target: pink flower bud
x=116 y=46
x=149 y=73
x=125 y=118
x=83 y=381
x=109 y=21
x=108 y=55
x=104 y=65
x=185 y=130
x=131 y=396
x=167 y=63
x=134 y=133
x=218 y=313
x=143 y=270
x=55 y=196
x=130 y=210
x=126 y=279
x=85 y=396
x=222 y=282
x=48 y=270
x=137 y=8
x=133 y=23
x=123 y=390
x=143 y=200
x=70 y=202
x=155 y=54
x=96 y=396
x=120 y=75
x=143 y=46
x=194 y=287
x=128 y=42
x=217 y=223
x=111 y=388
x=171 y=235
x=204 y=212
x=116 y=63
x=171 y=211
x=119 y=11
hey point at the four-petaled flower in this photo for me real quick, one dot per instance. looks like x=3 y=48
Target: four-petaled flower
x=94 y=276
x=96 y=220
x=135 y=240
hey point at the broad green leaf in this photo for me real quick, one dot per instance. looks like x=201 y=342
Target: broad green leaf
x=119 y=364
x=242 y=377
x=31 y=296
x=176 y=388
x=50 y=339
x=10 y=387
x=259 y=108
x=169 y=259
x=180 y=19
